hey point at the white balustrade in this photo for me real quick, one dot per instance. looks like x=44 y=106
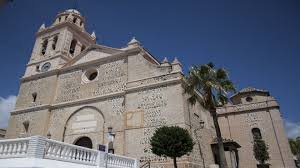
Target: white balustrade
x=66 y=152
x=14 y=148
x=42 y=148
x=116 y=161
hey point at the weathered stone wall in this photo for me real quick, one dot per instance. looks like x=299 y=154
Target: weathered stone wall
x=202 y=137
x=111 y=78
x=38 y=124
x=160 y=105
x=141 y=67
x=43 y=87
x=238 y=125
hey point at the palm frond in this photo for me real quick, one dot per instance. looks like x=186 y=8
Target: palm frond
x=213 y=84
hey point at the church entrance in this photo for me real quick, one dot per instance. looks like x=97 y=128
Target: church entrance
x=85 y=127
x=84 y=142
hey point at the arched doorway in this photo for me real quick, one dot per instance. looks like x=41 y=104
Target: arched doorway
x=85 y=122
x=84 y=142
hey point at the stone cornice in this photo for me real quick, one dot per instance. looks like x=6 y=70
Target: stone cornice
x=35 y=108
x=87 y=100
x=247 y=107
x=49 y=58
x=141 y=87
x=59 y=71
x=40 y=75
x=69 y=103
x=154 y=81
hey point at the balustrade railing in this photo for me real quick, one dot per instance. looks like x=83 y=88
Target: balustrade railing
x=120 y=161
x=61 y=151
x=14 y=148
x=43 y=148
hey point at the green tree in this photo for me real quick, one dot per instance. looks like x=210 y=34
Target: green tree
x=295 y=146
x=210 y=87
x=171 y=142
x=260 y=150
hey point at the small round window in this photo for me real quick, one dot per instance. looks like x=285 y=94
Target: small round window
x=90 y=75
x=93 y=76
x=249 y=99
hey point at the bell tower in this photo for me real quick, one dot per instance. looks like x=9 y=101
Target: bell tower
x=57 y=44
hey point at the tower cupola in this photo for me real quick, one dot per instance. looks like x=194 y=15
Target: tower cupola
x=70 y=15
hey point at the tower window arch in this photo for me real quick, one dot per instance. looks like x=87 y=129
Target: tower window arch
x=74 y=20
x=72 y=47
x=83 y=48
x=54 y=42
x=44 y=47
x=256 y=133
x=59 y=19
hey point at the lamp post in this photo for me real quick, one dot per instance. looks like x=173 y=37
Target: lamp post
x=111 y=137
x=200 y=149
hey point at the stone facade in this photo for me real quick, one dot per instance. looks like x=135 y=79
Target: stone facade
x=253 y=108
x=74 y=88
x=69 y=91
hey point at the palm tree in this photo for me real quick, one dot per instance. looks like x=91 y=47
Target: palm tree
x=210 y=87
x=295 y=146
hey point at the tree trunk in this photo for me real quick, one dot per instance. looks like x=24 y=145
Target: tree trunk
x=223 y=162
x=175 y=163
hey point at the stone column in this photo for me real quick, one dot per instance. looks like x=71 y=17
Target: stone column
x=49 y=46
x=77 y=48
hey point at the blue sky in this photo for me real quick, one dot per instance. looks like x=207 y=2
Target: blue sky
x=257 y=41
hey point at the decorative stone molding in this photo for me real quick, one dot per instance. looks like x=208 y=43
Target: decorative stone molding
x=248 y=107
x=153 y=80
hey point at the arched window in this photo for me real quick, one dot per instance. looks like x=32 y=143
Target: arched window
x=59 y=20
x=74 y=20
x=82 y=48
x=256 y=133
x=37 y=68
x=34 y=95
x=54 y=42
x=72 y=47
x=44 y=47
x=249 y=99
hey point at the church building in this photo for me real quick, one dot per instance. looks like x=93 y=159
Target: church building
x=77 y=91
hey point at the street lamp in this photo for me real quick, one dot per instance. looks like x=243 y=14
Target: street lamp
x=111 y=137
x=201 y=126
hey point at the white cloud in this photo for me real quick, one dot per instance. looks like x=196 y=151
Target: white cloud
x=6 y=106
x=293 y=129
